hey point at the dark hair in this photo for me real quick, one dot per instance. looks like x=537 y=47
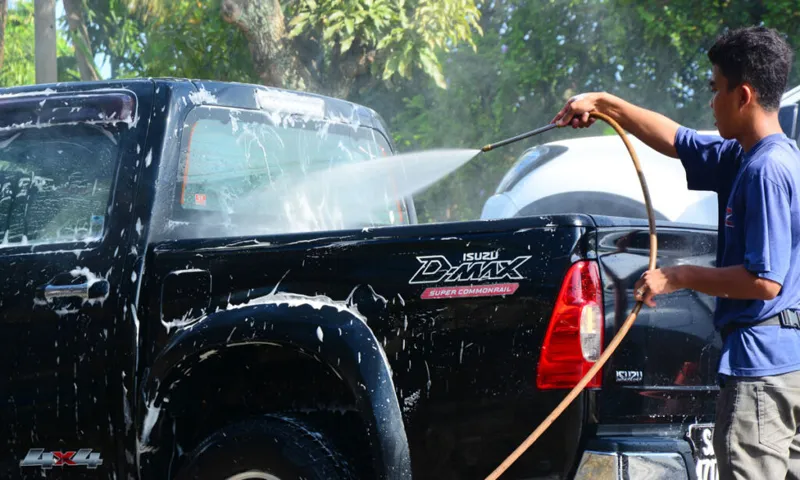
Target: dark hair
x=756 y=55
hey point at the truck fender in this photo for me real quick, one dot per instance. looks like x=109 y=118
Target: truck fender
x=330 y=331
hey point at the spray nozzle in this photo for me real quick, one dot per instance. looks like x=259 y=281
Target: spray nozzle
x=519 y=137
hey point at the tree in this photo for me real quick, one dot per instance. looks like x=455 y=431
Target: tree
x=45 y=41
x=116 y=33
x=327 y=46
x=192 y=40
x=682 y=31
x=84 y=53
x=3 y=15
x=19 y=51
x=531 y=58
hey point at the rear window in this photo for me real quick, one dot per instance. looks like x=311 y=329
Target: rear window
x=246 y=172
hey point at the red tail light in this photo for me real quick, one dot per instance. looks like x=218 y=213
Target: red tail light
x=574 y=338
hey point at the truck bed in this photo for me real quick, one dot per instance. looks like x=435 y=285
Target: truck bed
x=465 y=365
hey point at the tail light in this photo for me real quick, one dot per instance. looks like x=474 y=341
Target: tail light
x=574 y=338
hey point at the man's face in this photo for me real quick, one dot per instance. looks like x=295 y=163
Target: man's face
x=726 y=105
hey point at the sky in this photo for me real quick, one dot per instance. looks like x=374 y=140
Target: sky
x=104 y=67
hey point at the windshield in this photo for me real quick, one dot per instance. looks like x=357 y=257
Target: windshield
x=254 y=173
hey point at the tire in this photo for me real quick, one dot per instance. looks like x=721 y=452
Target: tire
x=265 y=448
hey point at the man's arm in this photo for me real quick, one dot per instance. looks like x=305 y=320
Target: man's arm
x=736 y=283
x=655 y=130
x=767 y=249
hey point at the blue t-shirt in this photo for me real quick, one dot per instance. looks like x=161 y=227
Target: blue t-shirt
x=759 y=227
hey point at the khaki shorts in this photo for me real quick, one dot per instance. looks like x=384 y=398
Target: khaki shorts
x=756 y=431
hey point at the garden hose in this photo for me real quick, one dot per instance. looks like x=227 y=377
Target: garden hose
x=628 y=321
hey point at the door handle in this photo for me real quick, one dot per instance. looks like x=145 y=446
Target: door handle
x=97 y=289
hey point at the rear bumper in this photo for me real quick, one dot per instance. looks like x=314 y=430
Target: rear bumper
x=622 y=458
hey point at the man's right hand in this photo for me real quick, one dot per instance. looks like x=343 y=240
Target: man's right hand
x=654 y=129
x=576 y=111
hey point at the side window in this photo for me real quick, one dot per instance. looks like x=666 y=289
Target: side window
x=55 y=183
x=242 y=174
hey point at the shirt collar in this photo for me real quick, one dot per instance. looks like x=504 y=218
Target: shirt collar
x=772 y=138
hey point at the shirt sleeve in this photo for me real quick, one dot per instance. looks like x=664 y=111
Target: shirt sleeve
x=703 y=156
x=768 y=222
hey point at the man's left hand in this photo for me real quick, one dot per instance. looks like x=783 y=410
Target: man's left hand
x=656 y=282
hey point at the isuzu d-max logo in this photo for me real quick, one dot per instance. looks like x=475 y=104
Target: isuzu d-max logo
x=474 y=267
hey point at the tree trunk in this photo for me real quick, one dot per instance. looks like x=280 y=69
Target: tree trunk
x=3 y=15
x=84 y=53
x=295 y=64
x=45 y=41
x=274 y=56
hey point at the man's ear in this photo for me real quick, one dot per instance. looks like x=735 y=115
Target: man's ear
x=747 y=95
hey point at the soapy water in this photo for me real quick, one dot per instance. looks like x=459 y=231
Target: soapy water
x=352 y=195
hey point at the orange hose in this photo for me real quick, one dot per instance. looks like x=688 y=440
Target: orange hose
x=626 y=326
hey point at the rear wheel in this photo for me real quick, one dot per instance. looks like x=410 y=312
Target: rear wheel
x=266 y=448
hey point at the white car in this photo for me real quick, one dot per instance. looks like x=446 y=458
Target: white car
x=595 y=175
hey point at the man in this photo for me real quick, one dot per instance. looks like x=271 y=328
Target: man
x=755 y=170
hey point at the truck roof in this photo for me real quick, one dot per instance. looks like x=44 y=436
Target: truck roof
x=230 y=94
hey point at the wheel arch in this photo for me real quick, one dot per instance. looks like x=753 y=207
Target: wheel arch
x=337 y=338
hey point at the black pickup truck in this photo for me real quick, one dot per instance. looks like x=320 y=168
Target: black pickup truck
x=170 y=308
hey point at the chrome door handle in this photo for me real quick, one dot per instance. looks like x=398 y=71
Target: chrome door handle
x=60 y=291
x=96 y=289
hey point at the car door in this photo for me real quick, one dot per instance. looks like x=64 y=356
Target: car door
x=68 y=162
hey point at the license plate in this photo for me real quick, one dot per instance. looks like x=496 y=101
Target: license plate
x=701 y=437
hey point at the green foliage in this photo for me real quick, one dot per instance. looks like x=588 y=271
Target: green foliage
x=683 y=30
x=188 y=39
x=407 y=34
x=191 y=40
x=527 y=64
x=19 y=67
x=117 y=34
x=146 y=9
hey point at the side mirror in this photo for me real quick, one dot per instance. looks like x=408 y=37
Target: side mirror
x=787 y=116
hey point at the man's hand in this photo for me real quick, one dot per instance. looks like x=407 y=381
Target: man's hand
x=655 y=130
x=576 y=111
x=656 y=282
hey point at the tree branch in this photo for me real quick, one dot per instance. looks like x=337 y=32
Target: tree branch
x=274 y=56
x=80 y=36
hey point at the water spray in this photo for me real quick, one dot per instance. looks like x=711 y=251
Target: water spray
x=626 y=326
